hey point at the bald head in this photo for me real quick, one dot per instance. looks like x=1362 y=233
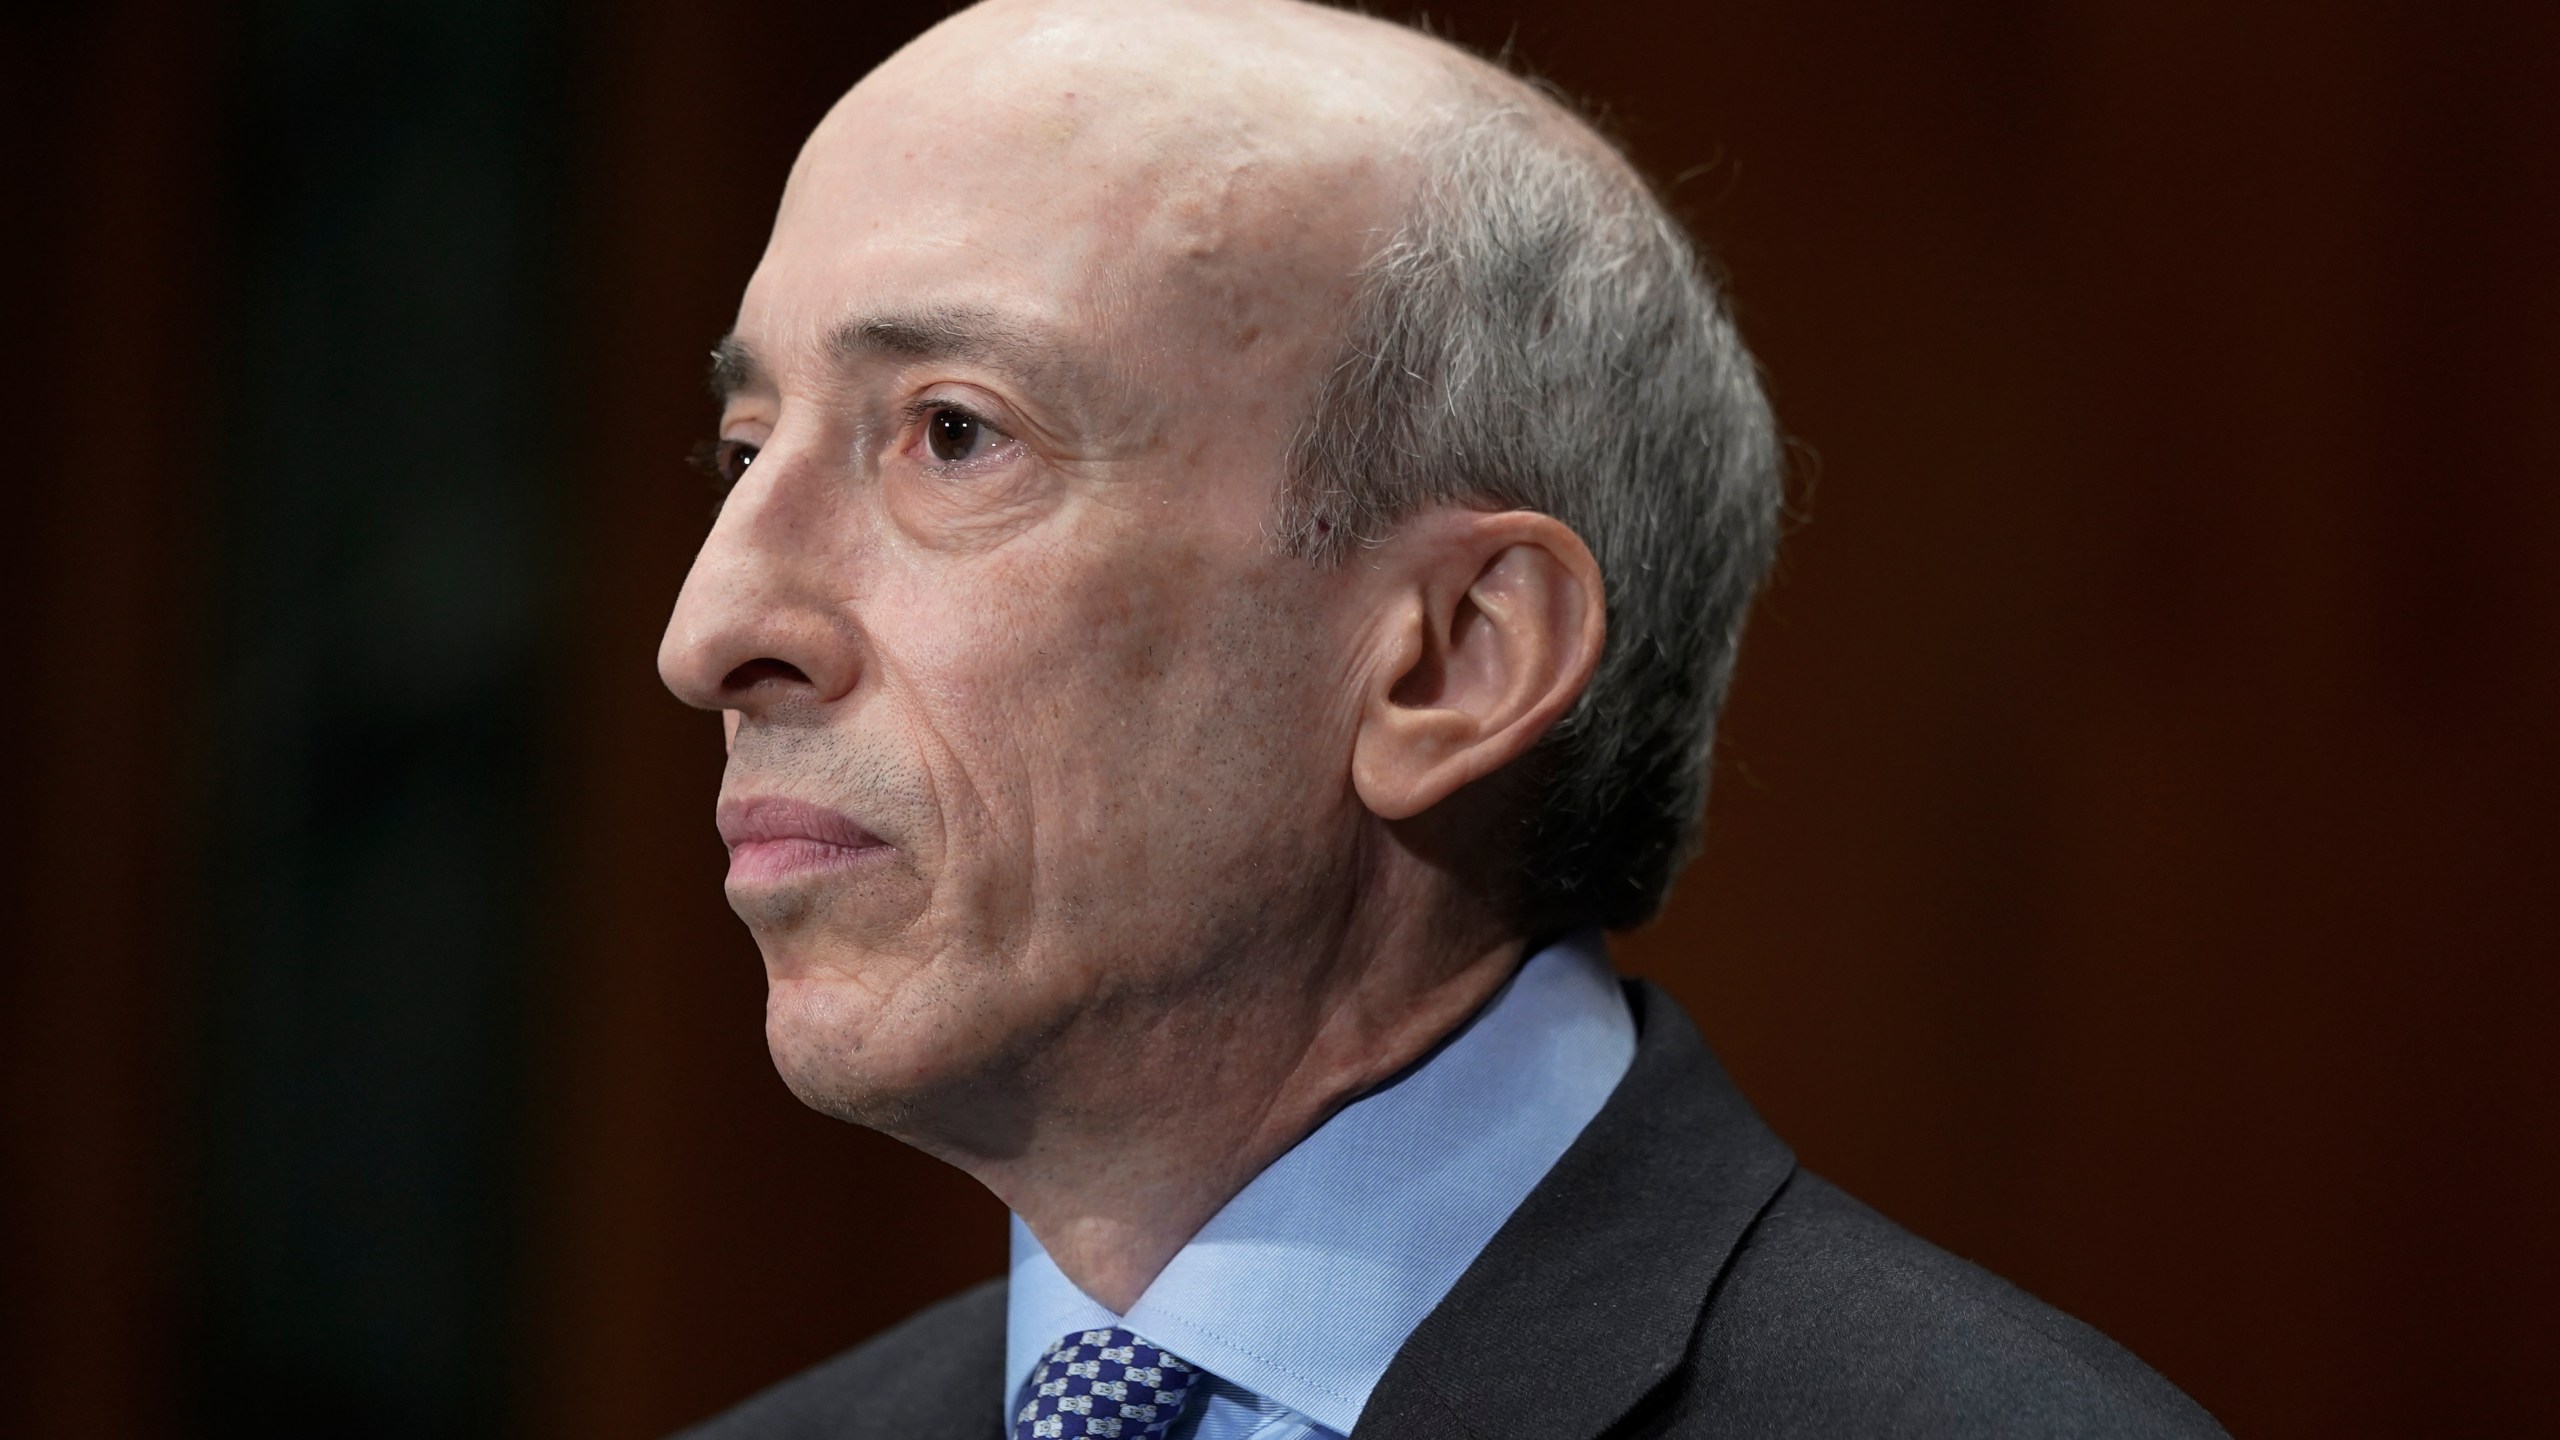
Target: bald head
x=1266 y=72
x=1174 y=104
x=1175 y=177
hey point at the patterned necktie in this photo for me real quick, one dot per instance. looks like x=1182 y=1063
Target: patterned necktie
x=1104 y=1383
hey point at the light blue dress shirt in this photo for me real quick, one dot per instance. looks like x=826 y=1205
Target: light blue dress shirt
x=1296 y=1295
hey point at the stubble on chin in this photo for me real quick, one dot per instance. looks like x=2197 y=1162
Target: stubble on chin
x=908 y=1059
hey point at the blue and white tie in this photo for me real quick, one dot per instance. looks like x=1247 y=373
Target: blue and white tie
x=1104 y=1383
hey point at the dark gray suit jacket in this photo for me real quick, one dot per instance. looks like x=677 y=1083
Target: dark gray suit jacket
x=1676 y=1274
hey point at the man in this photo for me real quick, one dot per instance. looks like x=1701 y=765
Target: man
x=1239 y=521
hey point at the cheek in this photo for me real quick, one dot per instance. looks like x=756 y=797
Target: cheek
x=1049 y=659
x=1103 y=722
x=1189 y=723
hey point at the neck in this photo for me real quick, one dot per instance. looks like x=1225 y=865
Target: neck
x=1115 y=1181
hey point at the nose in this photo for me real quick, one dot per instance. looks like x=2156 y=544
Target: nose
x=767 y=614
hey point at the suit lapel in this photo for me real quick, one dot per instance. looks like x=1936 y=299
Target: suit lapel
x=1588 y=1296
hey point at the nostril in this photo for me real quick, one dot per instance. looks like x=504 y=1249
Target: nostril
x=757 y=671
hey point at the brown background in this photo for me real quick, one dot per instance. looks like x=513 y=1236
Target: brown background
x=2129 y=865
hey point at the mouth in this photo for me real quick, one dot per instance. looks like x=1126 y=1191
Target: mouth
x=772 y=839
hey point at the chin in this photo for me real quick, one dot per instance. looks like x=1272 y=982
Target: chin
x=831 y=1045
x=831 y=1088
x=889 y=1060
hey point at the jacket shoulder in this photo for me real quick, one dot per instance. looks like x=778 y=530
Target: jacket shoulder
x=932 y=1375
x=1832 y=1320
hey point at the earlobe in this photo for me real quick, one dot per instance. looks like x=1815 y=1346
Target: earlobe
x=1500 y=624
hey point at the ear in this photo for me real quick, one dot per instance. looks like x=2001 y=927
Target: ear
x=1493 y=625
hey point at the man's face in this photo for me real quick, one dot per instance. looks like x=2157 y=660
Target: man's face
x=1037 y=743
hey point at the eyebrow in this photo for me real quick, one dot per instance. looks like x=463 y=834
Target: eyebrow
x=938 y=333
x=734 y=367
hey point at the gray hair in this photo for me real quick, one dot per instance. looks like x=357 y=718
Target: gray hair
x=1538 y=333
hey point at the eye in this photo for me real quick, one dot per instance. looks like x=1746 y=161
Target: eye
x=955 y=436
x=725 y=461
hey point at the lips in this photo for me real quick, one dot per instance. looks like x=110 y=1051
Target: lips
x=772 y=839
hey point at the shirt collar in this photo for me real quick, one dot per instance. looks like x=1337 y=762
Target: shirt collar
x=1307 y=1283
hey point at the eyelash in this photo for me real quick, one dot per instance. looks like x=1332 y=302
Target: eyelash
x=918 y=411
x=714 y=457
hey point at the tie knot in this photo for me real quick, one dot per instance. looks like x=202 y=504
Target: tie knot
x=1104 y=1383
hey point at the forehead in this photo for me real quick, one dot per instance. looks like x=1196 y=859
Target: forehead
x=1150 y=193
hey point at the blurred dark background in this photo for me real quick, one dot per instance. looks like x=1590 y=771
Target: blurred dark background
x=2129 y=867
